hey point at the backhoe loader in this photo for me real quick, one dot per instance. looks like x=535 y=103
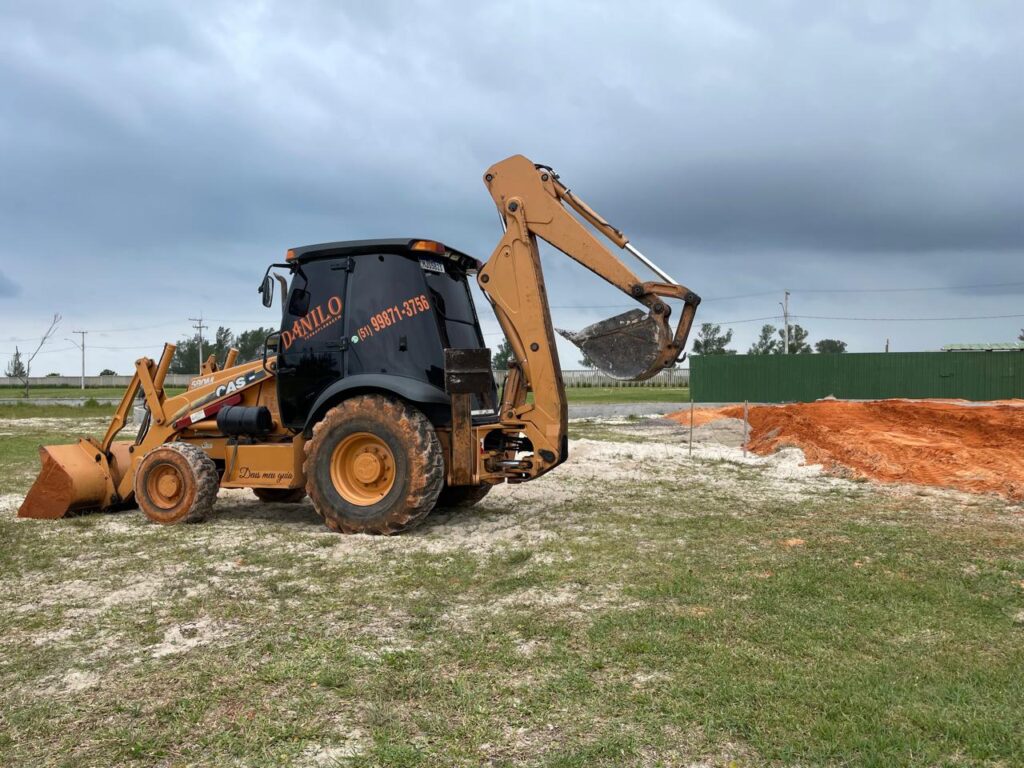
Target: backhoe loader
x=376 y=397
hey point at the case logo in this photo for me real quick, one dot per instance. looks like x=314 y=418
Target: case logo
x=238 y=383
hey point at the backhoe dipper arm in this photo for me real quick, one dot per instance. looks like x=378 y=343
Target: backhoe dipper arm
x=531 y=200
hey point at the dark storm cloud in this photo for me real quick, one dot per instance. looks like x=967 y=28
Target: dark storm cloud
x=795 y=128
x=743 y=144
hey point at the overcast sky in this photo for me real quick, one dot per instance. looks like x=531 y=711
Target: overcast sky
x=156 y=156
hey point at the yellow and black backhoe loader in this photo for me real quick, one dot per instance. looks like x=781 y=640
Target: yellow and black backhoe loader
x=376 y=396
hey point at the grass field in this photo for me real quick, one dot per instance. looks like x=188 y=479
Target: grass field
x=635 y=607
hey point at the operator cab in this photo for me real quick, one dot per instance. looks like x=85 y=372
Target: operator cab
x=374 y=315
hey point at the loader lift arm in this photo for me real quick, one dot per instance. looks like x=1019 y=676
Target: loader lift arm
x=532 y=200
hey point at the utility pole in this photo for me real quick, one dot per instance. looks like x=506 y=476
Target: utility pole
x=81 y=347
x=785 y=323
x=197 y=323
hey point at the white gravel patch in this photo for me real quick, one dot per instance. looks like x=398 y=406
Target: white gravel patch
x=182 y=638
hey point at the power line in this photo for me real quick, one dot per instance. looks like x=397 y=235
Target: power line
x=746 y=320
x=118 y=330
x=133 y=329
x=91 y=346
x=44 y=351
x=905 y=290
x=739 y=296
x=141 y=346
x=810 y=290
x=867 y=319
x=907 y=319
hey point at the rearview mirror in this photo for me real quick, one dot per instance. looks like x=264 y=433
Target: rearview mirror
x=267 y=290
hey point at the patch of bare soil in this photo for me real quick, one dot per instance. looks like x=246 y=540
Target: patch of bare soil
x=352 y=745
x=181 y=638
x=72 y=426
x=72 y=682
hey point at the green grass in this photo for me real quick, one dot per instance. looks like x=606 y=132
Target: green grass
x=606 y=623
x=31 y=410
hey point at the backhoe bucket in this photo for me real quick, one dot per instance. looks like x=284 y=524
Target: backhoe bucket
x=626 y=347
x=72 y=477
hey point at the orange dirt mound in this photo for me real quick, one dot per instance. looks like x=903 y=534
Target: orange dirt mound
x=971 y=448
x=702 y=416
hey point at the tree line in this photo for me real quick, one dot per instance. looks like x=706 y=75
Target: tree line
x=249 y=344
x=711 y=340
x=186 y=357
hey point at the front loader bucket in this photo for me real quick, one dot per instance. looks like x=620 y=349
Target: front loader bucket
x=71 y=478
x=626 y=347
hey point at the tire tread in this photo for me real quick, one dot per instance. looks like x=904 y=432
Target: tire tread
x=427 y=473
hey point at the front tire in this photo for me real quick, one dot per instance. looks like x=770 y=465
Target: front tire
x=373 y=465
x=176 y=483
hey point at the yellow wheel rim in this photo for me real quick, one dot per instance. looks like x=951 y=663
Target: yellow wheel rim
x=362 y=469
x=165 y=486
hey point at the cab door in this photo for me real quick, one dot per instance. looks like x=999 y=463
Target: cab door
x=311 y=348
x=390 y=320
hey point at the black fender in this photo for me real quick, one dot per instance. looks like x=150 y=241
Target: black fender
x=415 y=391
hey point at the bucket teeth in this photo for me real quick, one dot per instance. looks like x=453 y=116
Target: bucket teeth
x=626 y=347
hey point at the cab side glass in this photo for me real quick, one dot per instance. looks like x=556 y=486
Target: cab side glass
x=298 y=304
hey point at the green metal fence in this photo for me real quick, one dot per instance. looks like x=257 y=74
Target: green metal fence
x=869 y=376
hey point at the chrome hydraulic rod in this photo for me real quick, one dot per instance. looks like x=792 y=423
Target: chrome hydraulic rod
x=654 y=267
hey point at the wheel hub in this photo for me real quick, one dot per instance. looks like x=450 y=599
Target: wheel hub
x=168 y=485
x=165 y=486
x=368 y=468
x=362 y=469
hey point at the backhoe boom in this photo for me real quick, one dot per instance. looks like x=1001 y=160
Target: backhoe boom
x=531 y=199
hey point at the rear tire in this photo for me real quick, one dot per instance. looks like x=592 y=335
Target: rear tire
x=280 y=495
x=373 y=465
x=461 y=495
x=176 y=483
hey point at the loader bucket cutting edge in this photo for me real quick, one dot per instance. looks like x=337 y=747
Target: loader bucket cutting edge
x=70 y=479
x=626 y=347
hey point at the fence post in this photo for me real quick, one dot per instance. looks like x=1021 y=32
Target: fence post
x=745 y=414
x=691 y=425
